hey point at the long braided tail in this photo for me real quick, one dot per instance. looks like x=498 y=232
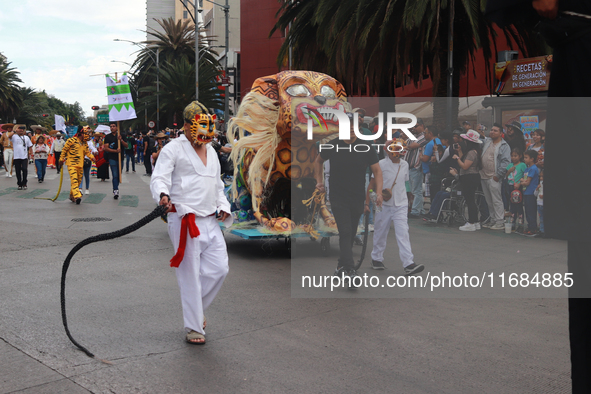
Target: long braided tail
x=159 y=211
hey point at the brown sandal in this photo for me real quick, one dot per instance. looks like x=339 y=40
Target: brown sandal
x=193 y=336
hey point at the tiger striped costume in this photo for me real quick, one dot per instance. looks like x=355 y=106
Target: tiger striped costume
x=73 y=154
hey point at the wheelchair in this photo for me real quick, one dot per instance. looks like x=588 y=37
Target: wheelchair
x=454 y=210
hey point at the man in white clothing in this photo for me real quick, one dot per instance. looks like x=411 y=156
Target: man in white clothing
x=56 y=149
x=23 y=150
x=187 y=180
x=395 y=174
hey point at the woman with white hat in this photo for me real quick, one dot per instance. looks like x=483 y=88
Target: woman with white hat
x=470 y=165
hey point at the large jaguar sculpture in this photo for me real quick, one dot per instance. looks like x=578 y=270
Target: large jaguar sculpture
x=273 y=156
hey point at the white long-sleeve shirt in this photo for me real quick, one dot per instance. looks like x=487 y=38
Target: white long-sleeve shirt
x=192 y=186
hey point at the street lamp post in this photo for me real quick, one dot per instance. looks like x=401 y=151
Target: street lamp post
x=157 y=61
x=196 y=50
x=226 y=9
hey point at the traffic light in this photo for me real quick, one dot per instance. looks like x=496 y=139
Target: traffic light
x=95 y=107
x=45 y=115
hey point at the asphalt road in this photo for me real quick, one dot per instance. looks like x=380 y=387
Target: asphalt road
x=265 y=333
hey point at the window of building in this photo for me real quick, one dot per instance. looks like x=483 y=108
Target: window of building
x=185 y=14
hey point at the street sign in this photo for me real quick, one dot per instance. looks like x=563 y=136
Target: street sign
x=225 y=81
x=151 y=124
x=102 y=118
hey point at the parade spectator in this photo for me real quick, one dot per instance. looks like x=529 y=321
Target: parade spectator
x=514 y=136
x=414 y=151
x=444 y=157
x=466 y=126
x=114 y=146
x=439 y=198
x=538 y=139
x=470 y=164
x=496 y=155
x=148 y=148
x=513 y=177
x=347 y=185
x=540 y=200
x=160 y=139
x=481 y=129
x=8 y=152
x=431 y=169
x=56 y=150
x=129 y=153
x=22 y=146
x=530 y=182
x=40 y=152
x=139 y=148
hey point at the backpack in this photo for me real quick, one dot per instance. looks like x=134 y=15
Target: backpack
x=151 y=145
x=516 y=196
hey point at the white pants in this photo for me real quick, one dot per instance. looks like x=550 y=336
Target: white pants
x=494 y=200
x=398 y=215
x=8 y=156
x=204 y=267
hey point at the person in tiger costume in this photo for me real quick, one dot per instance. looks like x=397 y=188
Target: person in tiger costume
x=73 y=153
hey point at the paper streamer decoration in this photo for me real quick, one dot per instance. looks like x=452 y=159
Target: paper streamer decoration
x=120 y=102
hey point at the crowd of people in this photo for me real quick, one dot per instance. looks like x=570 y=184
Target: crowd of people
x=399 y=174
x=45 y=149
x=499 y=163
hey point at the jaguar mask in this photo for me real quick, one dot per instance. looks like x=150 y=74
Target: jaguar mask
x=201 y=121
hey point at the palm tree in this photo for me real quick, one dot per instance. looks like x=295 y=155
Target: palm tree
x=34 y=104
x=378 y=44
x=10 y=99
x=177 y=89
x=176 y=44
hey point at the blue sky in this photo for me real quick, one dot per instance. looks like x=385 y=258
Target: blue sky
x=57 y=44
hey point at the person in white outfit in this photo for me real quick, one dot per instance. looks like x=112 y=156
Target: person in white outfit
x=187 y=180
x=394 y=209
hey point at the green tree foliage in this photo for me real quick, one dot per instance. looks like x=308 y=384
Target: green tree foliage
x=377 y=45
x=36 y=104
x=177 y=88
x=176 y=48
x=28 y=106
x=10 y=99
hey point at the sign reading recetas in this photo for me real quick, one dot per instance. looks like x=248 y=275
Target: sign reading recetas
x=523 y=75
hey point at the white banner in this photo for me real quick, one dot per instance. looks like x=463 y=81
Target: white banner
x=60 y=123
x=120 y=101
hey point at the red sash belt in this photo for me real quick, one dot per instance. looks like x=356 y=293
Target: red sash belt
x=187 y=222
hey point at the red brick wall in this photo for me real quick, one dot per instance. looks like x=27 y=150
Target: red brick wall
x=258 y=52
